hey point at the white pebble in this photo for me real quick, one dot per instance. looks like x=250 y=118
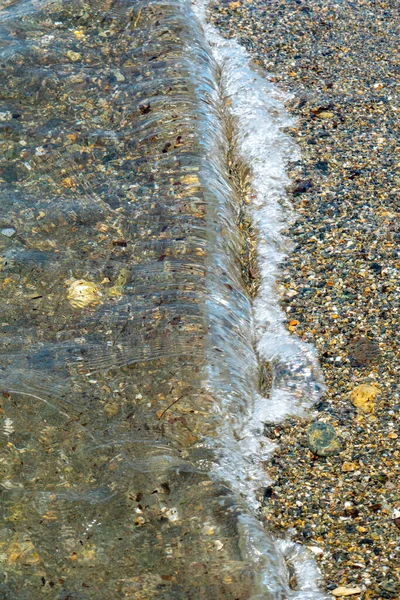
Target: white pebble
x=8 y=231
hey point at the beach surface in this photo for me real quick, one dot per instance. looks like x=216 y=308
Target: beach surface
x=340 y=285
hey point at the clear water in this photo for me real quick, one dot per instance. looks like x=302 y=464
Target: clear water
x=131 y=447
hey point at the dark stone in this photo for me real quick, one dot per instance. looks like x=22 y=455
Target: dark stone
x=376 y=267
x=389 y=588
x=9 y=174
x=301 y=187
x=268 y=492
x=321 y=406
x=145 y=108
x=322 y=165
x=363 y=352
x=307 y=532
x=340 y=556
x=51 y=124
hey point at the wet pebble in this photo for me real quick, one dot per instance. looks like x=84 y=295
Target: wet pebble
x=363 y=352
x=7 y=231
x=322 y=439
x=363 y=397
x=342 y=592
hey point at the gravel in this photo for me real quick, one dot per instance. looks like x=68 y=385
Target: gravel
x=341 y=283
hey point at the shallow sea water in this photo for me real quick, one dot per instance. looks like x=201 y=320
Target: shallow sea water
x=131 y=447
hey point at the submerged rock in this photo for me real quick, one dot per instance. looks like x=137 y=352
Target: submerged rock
x=322 y=439
x=83 y=293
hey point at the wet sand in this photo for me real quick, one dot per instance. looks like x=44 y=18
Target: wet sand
x=340 y=286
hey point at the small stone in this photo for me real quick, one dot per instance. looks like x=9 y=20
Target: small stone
x=340 y=592
x=347 y=467
x=316 y=550
x=389 y=485
x=322 y=439
x=363 y=352
x=119 y=77
x=5 y=116
x=68 y=182
x=363 y=397
x=325 y=114
x=388 y=588
x=8 y=231
x=291 y=293
x=83 y=293
x=301 y=187
x=77 y=78
x=190 y=179
x=74 y=56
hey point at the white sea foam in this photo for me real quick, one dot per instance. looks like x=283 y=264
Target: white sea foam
x=259 y=115
x=257 y=108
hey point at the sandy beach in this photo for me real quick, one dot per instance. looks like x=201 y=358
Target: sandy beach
x=340 y=285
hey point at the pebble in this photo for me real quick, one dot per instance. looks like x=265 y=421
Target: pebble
x=325 y=114
x=5 y=116
x=83 y=293
x=316 y=550
x=340 y=592
x=363 y=397
x=73 y=56
x=347 y=467
x=389 y=588
x=363 y=352
x=119 y=77
x=322 y=439
x=8 y=231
